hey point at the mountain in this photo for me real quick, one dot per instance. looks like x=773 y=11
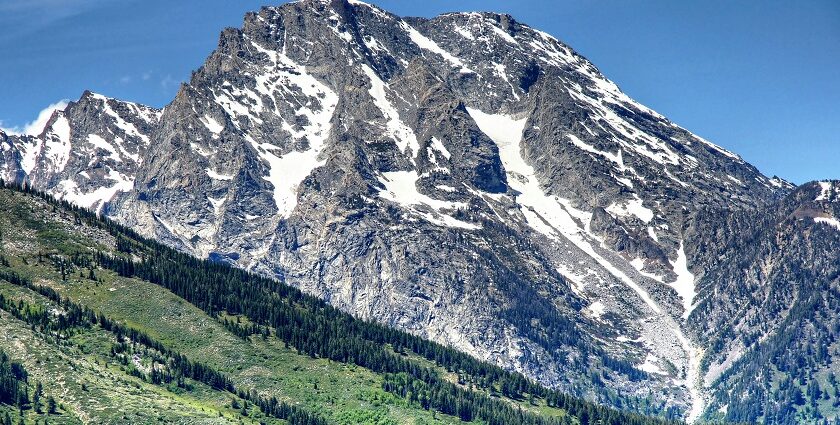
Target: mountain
x=99 y=325
x=466 y=178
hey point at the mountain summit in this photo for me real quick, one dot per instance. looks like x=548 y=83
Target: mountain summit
x=467 y=178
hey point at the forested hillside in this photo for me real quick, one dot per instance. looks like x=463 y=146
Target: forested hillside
x=128 y=330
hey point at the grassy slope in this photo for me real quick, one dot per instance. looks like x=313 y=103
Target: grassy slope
x=92 y=389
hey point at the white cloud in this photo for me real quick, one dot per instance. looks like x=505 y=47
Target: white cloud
x=35 y=127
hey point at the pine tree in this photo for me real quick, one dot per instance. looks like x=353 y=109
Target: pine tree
x=51 y=405
x=36 y=398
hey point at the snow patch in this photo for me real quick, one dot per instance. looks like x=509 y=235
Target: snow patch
x=217 y=176
x=212 y=125
x=831 y=221
x=718 y=148
x=825 y=191
x=624 y=132
x=502 y=34
x=555 y=53
x=127 y=127
x=577 y=280
x=464 y=33
x=233 y=107
x=553 y=218
x=57 y=146
x=616 y=158
x=779 y=183
x=639 y=265
x=101 y=143
x=650 y=365
x=597 y=309
x=199 y=150
x=70 y=191
x=375 y=45
x=632 y=207
x=30 y=155
x=684 y=285
x=373 y=8
x=401 y=188
x=438 y=146
x=652 y=234
x=736 y=180
x=501 y=71
x=217 y=204
x=399 y=131
x=426 y=43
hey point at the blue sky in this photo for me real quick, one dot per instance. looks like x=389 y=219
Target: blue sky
x=759 y=78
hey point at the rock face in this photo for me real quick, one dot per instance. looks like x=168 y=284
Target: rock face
x=467 y=178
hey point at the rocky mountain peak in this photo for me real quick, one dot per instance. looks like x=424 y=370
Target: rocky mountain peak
x=86 y=152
